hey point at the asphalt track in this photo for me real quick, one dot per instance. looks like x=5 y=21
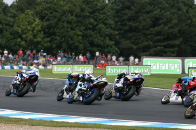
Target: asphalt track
x=146 y=107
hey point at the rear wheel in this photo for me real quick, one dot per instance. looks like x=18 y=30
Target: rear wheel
x=165 y=99
x=24 y=89
x=60 y=95
x=108 y=94
x=190 y=112
x=128 y=94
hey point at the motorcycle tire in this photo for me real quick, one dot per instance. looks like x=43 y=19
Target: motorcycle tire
x=92 y=97
x=189 y=113
x=25 y=90
x=8 y=92
x=131 y=91
x=70 y=99
x=188 y=101
x=165 y=99
x=108 y=94
x=60 y=95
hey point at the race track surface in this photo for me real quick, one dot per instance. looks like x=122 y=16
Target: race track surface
x=146 y=107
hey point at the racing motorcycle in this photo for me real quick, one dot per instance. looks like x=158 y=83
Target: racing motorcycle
x=125 y=86
x=24 y=82
x=179 y=94
x=81 y=89
x=191 y=110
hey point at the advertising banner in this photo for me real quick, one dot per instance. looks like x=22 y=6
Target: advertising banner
x=192 y=71
x=82 y=68
x=143 y=69
x=189 y=63
x=61 y=69
x=165 y=66
x=115 y=70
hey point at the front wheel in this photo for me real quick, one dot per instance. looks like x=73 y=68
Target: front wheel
x=128 y=93
x=165 y=99
x=8 y=92
x=70 y=99
x=60 y=95
x=188 y=101
x=24 y=89
x=190 y=112
x=91 y=96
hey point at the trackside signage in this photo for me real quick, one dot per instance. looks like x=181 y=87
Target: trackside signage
x=192 y=71
x=63 y=69
x=144 y=70
x=58 y=69
x=167 y=66
x=82 y=68
x=189 y=63
x=115 y=70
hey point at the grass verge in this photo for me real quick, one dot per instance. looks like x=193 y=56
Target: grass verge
x=73 y=125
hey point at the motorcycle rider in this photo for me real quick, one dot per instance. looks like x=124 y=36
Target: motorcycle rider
x=125 y=77
x=23 y=74
x=188 y=81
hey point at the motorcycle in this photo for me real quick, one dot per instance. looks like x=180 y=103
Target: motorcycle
x=125 y=87
x=191 y=110
x=179 y=94
x=23 y=83
x=79 y=89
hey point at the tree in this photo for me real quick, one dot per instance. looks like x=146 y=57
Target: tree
x=30 y=35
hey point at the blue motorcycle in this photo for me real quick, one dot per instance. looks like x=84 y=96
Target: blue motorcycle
x=24 y=82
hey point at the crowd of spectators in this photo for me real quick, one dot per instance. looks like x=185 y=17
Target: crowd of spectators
x=30 y=58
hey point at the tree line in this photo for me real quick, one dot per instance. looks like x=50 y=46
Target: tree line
x=120 y=27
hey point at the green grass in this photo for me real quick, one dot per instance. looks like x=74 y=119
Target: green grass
x=72 y=125
x=164 y=81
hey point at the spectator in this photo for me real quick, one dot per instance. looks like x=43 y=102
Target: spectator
x=72 y=58
x=1 y=53
x=5 y=54
x=109 y=59
x=81 y=59
x=136 y=61
x=65 y=57
x=20 y=54
x=85 y=60
x=77 y=60
x=54 y=61
x=59 y=57
x=131 y=60
x=62 y=54
x=121 y=59
x=16 y=60
x=88 y=55
x=103 y=59
x=10 y=56
x=114 y=59
x=41 y=54
x=3 y=60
